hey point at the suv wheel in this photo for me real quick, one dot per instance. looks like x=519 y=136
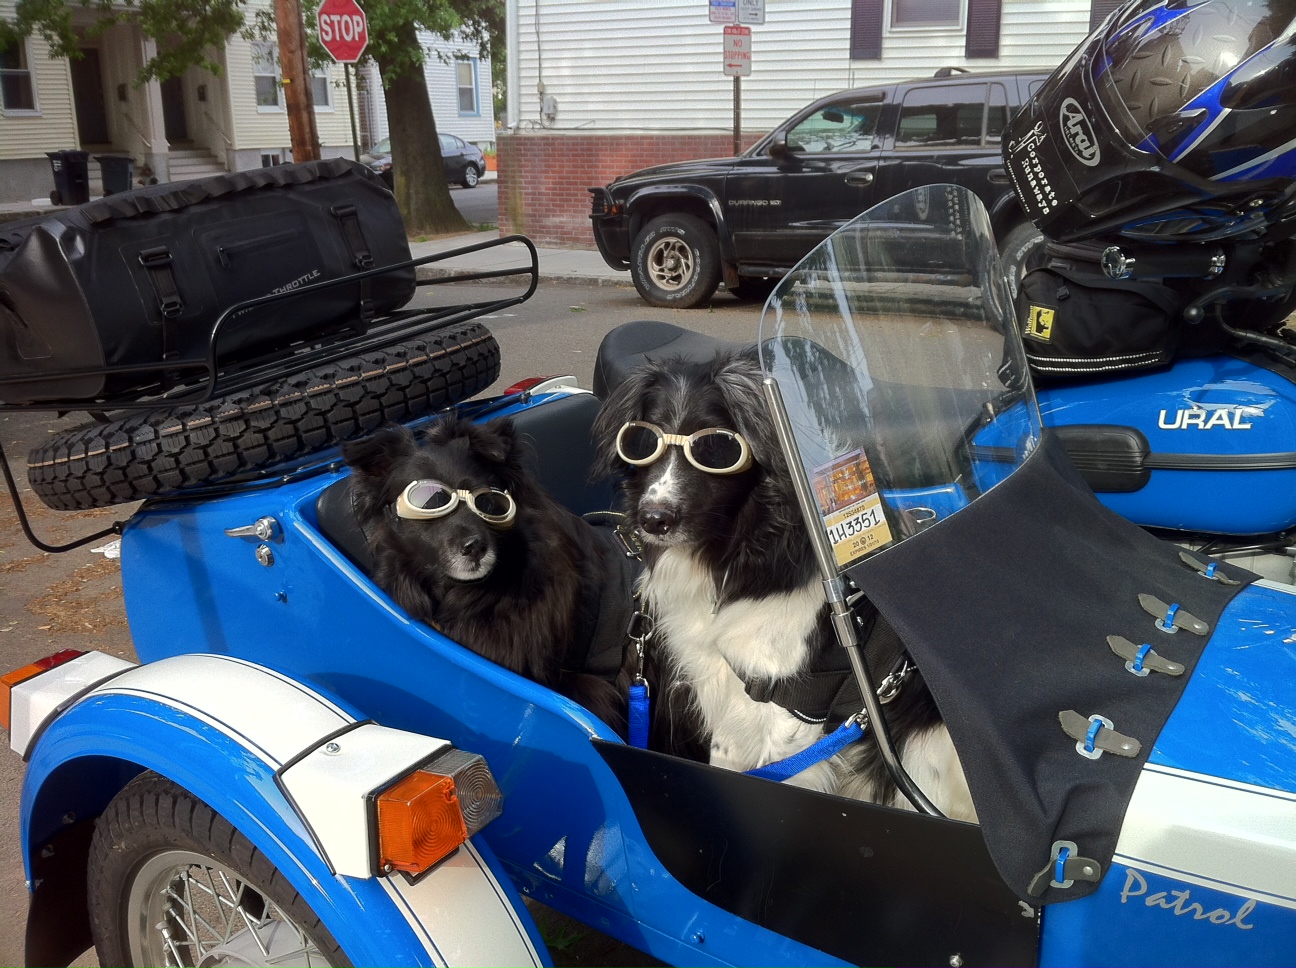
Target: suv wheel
x=1022 y=251
x=675 y=262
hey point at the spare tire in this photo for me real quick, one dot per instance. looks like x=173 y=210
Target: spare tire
x=157 y=452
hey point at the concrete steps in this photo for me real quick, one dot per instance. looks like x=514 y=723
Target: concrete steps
x=187 y=164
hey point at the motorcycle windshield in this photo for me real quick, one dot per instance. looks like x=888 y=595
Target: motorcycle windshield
x=902 y=372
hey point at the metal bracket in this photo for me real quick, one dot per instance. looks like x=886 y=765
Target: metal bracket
x=1172 y=618
x=1141 y=659
x=1095 y=735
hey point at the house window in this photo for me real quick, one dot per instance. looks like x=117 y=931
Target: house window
x=16 y=92
x=269 y=82
x=926 y=13
x=265 y=72
x=466 y=81
x=271 y=158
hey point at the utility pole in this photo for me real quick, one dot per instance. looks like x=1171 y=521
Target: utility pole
x=296 y=81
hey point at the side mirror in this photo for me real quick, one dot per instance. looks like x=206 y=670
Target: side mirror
x=778 y=148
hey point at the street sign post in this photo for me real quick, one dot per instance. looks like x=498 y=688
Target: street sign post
x=751 y=11
x=344 y=32
x=737 y=50
x=343 y=29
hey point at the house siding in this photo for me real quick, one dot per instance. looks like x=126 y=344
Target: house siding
x=53 y=126
x=658 y=62
x=439 y=70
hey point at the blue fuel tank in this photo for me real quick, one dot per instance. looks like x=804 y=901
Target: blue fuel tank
x=1206 y=445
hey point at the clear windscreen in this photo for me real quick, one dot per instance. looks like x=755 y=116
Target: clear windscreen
x=894 y=348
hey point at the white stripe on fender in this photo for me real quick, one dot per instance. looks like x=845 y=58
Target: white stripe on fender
x=1220 y=834
x=467 y=913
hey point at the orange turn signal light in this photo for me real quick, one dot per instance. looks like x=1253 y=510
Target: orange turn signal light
x=419 y=822
x=7 y=682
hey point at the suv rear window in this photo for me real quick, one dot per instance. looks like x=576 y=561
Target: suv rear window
x=952 y=116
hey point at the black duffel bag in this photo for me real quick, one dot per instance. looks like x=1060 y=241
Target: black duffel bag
x=140 y=278
x=1077 y=322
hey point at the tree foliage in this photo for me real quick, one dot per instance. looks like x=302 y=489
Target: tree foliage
x=191 y=32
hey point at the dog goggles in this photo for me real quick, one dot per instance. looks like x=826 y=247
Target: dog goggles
x=424 y=500
x=712 y=450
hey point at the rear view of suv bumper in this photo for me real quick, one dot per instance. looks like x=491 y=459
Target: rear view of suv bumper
x=610 y=229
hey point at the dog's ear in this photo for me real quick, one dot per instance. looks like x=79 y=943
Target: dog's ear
x=625 y=403
x=495 y=441
x=374 y=456
x=738 y=378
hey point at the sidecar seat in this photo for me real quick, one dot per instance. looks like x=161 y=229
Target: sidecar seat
x=561 y=455
x=636 y=342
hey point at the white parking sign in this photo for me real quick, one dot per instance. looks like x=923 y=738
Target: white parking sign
x=724 y=11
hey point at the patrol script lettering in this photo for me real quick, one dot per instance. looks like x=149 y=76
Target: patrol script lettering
x=1180 y=903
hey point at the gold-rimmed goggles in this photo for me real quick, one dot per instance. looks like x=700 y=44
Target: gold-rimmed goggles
x=711 y=449
x=426 y=499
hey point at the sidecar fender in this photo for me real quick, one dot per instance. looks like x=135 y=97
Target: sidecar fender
x=230 y=732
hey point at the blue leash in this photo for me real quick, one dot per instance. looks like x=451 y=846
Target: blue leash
x=832 y=744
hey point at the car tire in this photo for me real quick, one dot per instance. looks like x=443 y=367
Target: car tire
x=148 y=846
x=675 y=262
x=1022 y=251
x=471 y=176
x=157 y=452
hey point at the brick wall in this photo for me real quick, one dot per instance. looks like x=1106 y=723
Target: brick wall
x=543 y=175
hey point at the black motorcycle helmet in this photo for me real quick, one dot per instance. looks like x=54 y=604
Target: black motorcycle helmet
x=1175 y=120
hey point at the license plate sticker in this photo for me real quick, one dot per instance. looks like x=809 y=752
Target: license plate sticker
x=851 y=508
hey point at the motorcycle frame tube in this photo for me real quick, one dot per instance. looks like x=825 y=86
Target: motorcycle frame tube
x=375 y=920
x=317 y=617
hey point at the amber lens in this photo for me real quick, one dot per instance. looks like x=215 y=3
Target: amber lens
x=717 y=450
x=429 y=495
x=638 y=442
x=419 y=822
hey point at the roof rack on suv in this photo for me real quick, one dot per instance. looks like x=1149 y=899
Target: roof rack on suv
x=949 y=71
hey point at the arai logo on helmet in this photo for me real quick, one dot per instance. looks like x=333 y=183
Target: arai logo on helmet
x=1078 y=133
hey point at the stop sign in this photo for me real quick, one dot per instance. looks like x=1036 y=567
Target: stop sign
x=343 y=30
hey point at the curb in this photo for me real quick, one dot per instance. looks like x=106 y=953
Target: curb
x=425 y=273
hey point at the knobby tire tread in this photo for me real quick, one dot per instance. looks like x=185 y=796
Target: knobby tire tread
x=150 y=813
x=161 y=451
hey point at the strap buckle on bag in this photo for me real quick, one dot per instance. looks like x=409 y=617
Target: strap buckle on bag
x=158 y=263
x=351 y=231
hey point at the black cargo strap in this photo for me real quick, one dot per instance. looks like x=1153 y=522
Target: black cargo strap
x=829 y=693
x=361 y=257
x=599 y=641
x=158 y=263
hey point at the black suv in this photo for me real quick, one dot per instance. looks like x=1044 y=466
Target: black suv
x=681 y=228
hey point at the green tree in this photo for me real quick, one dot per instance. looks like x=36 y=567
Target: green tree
x=187 y=33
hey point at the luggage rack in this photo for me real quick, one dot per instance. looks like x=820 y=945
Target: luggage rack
x=215 y=382
x=210 y=377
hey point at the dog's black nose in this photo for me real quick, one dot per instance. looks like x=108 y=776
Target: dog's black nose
x=657 y=520
x=473 y=548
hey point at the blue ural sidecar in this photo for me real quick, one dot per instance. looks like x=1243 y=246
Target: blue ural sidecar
x=225 y=801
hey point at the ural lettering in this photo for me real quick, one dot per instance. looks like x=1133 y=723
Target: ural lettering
x=1180 y=903
x=1199 y=418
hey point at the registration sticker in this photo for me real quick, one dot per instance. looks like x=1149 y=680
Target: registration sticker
x=851 y=508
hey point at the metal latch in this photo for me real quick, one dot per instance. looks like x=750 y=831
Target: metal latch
x=265 y=529
x=1141 y=659
x=1172 y=618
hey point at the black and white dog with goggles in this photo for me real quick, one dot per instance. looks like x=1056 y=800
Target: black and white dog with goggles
x=732 y=583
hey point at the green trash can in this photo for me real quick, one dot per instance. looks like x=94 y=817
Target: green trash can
x=118 y=173
x=71 y=176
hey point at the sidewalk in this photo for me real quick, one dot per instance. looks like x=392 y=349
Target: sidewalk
x=584 y=267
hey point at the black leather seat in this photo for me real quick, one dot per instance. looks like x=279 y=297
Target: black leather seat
x=632 y=343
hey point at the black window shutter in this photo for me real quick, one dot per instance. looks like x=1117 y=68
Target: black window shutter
x=983 y=28
x=1099 y=9
x=866 y=30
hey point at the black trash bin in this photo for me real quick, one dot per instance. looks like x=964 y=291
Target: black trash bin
x=118 y=172
x=71 y=176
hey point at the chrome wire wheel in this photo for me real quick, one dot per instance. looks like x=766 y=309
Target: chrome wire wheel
x=187 y=909
x=670 y=263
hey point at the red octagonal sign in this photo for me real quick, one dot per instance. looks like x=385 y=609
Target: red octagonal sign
x=343 y=30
